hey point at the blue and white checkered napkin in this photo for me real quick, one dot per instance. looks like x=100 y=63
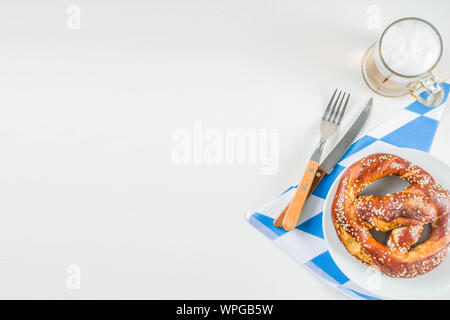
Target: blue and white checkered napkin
x=413 y=127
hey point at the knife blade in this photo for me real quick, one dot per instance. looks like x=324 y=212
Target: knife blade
x=327 y=165
x=346 y=141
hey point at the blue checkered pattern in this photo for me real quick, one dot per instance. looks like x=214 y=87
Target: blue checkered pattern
x=413 y=127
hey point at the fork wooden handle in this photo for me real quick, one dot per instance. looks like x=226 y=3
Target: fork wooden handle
x=278 y=222
x=297 y=203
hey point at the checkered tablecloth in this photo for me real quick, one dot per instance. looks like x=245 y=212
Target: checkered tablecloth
x=413 y=127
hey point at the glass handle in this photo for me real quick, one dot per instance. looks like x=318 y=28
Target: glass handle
x=428 y=90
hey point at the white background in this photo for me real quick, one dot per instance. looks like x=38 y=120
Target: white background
x=86 y=118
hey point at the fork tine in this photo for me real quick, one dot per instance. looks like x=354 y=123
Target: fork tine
x=343 y=109
x=339 y=109
x=329 y=105
x=332 y=112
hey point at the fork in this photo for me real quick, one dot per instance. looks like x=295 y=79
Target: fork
x=328 y=126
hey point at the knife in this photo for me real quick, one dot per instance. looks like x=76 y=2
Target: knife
x=327 y=166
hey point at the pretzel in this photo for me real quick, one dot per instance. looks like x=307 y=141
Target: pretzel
x=404 y=214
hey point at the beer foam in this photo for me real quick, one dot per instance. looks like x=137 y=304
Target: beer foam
x=410 y=47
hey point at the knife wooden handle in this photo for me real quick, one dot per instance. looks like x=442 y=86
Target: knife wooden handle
x=297 y=203
x=278 y=222
x=319 y=176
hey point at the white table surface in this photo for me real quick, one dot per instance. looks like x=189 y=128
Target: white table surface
x=86 y=176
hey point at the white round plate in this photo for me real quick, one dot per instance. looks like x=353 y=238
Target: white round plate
x=431 y=285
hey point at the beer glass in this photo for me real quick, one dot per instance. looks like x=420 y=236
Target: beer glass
x=401 y=61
